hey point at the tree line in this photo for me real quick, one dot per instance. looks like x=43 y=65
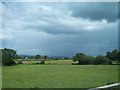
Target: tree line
x=8 y=56
x=33 y=57
x=109 y=58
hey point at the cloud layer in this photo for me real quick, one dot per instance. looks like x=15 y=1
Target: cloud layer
x=95 y=11
x=59 y=28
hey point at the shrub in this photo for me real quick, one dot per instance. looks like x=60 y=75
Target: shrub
x=36 y=63
x=8 y=62
x=83 y=62
x=42 y=62
x=100 y=60
x=33 y=63
x=87 y=60
x=20 y=62
x=108 y=61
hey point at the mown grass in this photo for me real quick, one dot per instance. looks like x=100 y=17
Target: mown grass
x=59 y=76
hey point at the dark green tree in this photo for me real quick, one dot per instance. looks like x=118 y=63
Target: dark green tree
x=108 y=55
x=65 y=58
x=90 y=59
x=37 y=56
x=118 y=57
x=113 y=54
x=45 y=57
x=31 y=57
x=101 y=60
x=7 y=57
x=79 y=57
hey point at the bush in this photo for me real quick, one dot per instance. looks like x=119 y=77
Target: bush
x=42 y=62
x=35 y=63
x=90 y=59
x=100 y=60
x=108 y=61
x=86 y=60
x=83 y=62
x=20 y=62
x=8 y=62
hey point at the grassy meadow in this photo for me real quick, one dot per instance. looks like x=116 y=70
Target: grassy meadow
x=58 y=76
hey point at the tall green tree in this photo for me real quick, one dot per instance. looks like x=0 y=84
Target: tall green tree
x=108 y=55
x=37 y=56
x=118 y=57
x=114 y=55
x=79 y=57
x=45 y=57
x=7 y=57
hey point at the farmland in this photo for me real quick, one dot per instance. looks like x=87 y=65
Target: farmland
x=48 y=62
x=58 y=76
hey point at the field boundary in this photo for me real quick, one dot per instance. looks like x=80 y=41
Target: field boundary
x=105 y=87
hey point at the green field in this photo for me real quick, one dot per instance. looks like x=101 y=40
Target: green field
x=59 y=76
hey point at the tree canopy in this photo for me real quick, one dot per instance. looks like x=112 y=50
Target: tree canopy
x=7 y=56
x=114 y=55
x=37 y=56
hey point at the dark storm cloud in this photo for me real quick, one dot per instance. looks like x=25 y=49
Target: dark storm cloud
x=54 y=27
x=95 y=10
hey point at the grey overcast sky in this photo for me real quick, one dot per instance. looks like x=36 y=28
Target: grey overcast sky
x=60 y=29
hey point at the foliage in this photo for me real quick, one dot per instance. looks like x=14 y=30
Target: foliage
x=101 y=60
x=20 y=62
x=90 y=59
x=45 y=57
x=114 y=55
x=65 y=58
x=7 y=57
x=31 y=57
x=87 y=60
x=37 y=56
x=118 y=56
x=107 y=59
x=42 y=62
x=79 y=57
x=18 y=57
x=83 y=59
